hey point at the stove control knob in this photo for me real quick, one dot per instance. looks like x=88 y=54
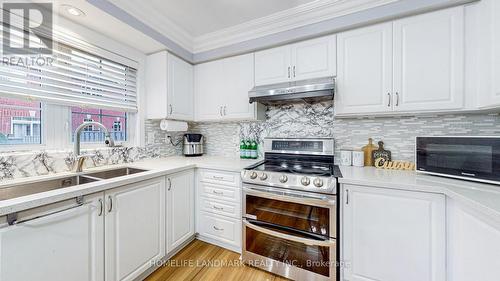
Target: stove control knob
x=318 y=182
x=283 y=178
x=253 y=175
x=305 y=181
x=263 y=177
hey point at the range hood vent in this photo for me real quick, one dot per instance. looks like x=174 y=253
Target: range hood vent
x=313 y=89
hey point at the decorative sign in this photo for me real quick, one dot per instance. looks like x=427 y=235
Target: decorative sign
x=381 y=163
x=381 y=153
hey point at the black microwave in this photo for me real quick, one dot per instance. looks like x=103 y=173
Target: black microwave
x=462 y=157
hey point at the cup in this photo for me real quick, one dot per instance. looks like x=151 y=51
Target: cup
x=358 y=158
x=346 y=157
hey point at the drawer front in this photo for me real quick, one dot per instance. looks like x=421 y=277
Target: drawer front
x=220 y=177
x=220 y=192
x=225 y=208
x=226 y=230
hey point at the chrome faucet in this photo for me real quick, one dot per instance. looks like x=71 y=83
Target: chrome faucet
x=81 y=158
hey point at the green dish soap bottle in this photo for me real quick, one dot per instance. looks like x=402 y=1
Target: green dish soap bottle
x=242 y=149
x=253 y=149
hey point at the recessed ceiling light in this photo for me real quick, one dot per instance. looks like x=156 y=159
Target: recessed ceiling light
x=73 y=10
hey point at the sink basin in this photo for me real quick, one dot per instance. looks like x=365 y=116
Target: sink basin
x=42 y=186
x=109 y=174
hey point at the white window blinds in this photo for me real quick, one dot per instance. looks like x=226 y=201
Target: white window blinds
x=69 y=76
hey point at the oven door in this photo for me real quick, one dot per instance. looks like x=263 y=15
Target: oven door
x=473 y=158
x=290 y=233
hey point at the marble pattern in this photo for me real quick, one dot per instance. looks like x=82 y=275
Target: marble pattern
x=27 y=164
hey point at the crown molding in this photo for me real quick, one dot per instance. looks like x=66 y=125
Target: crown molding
x=299 y=16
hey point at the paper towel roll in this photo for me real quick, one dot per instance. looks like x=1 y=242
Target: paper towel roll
x=173 y=126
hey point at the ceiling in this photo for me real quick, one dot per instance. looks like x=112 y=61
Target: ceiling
x=199 y=17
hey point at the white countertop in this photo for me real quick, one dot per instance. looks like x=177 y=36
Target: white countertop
x=155 y=167
x=483 y=197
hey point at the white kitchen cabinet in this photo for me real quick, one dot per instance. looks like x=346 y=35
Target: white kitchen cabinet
x=180 y=208
x=429 y=61
x=169 y=87
x=134 y=228
x=489 y=54
x=55 y=244
x=221 y=90
x=364 y=78
x=393 y=235
x=473 y=244
x=411 y=65
x=314 y=58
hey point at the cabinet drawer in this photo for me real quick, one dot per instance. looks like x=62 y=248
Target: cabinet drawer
x=220 y=192
x=220 y=177
x=225 y=208
x=226 y=230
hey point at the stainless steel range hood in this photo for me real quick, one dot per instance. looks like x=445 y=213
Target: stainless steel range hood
x=320 y=88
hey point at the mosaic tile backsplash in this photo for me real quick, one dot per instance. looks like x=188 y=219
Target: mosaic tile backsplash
x=317 y=120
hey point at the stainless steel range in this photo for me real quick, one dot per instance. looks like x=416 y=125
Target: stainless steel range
x=290 y=209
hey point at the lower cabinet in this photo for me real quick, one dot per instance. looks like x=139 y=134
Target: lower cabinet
x=218 y=213
x=55 y=242
x=134 y=228
x=180 y=209
x=393 y=235
x=473 y=244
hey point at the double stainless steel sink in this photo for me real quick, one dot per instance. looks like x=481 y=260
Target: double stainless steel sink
x=20 y=190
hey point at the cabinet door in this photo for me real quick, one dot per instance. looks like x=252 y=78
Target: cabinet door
x=273 y=66
x=473 y=244
x=208 y=86
x=364 y=73
x=180 y=89
x=314 y=58
x=134 y=228
x=156 y=86
x=393 y=235
x=489 y=54
x=180 y=208
x=429 y=61
x=239 y=79
x=55 y=246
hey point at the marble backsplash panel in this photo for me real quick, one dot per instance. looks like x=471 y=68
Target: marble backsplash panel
x=28 y=164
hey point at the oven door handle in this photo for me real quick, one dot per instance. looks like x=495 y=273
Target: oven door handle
x=309 y=242
x=304 y=199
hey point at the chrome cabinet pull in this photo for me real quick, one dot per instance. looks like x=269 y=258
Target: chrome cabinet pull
x=110 y=208
x=218 y=229
x=224 y=110
x=171 y=109
x=169 y=184
x=217 y=192
x=218 y=177
x=294 y=71
x=218 y=208
x=101 y=208
x=389 y=96
x=288 y=72
x=397 y=99
x=220 y=110
x=347 y=196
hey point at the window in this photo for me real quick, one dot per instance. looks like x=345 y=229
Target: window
x=20 y=121
x=114 y=121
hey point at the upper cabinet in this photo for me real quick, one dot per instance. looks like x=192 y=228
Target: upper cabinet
x=413 y=64
x=221 y=90
x=169 y=88
x=304 y=60
x=489 y=54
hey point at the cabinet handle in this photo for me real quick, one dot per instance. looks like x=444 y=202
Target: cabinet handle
x=218 y=229
x=224 y=110
x=110 y=208
x=218 y=208
x=218 y=178
x=397 y=99
x=389 y=96
x=220 y=110
x=169 y=184
x=347 y=196
x=294 y=71
x=217 y=192
x=288 y=72
x=171 y=109
x=101 y=208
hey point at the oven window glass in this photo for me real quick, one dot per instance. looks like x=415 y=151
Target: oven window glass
x=467 y=157
x=302 y=217
x=312 y=258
